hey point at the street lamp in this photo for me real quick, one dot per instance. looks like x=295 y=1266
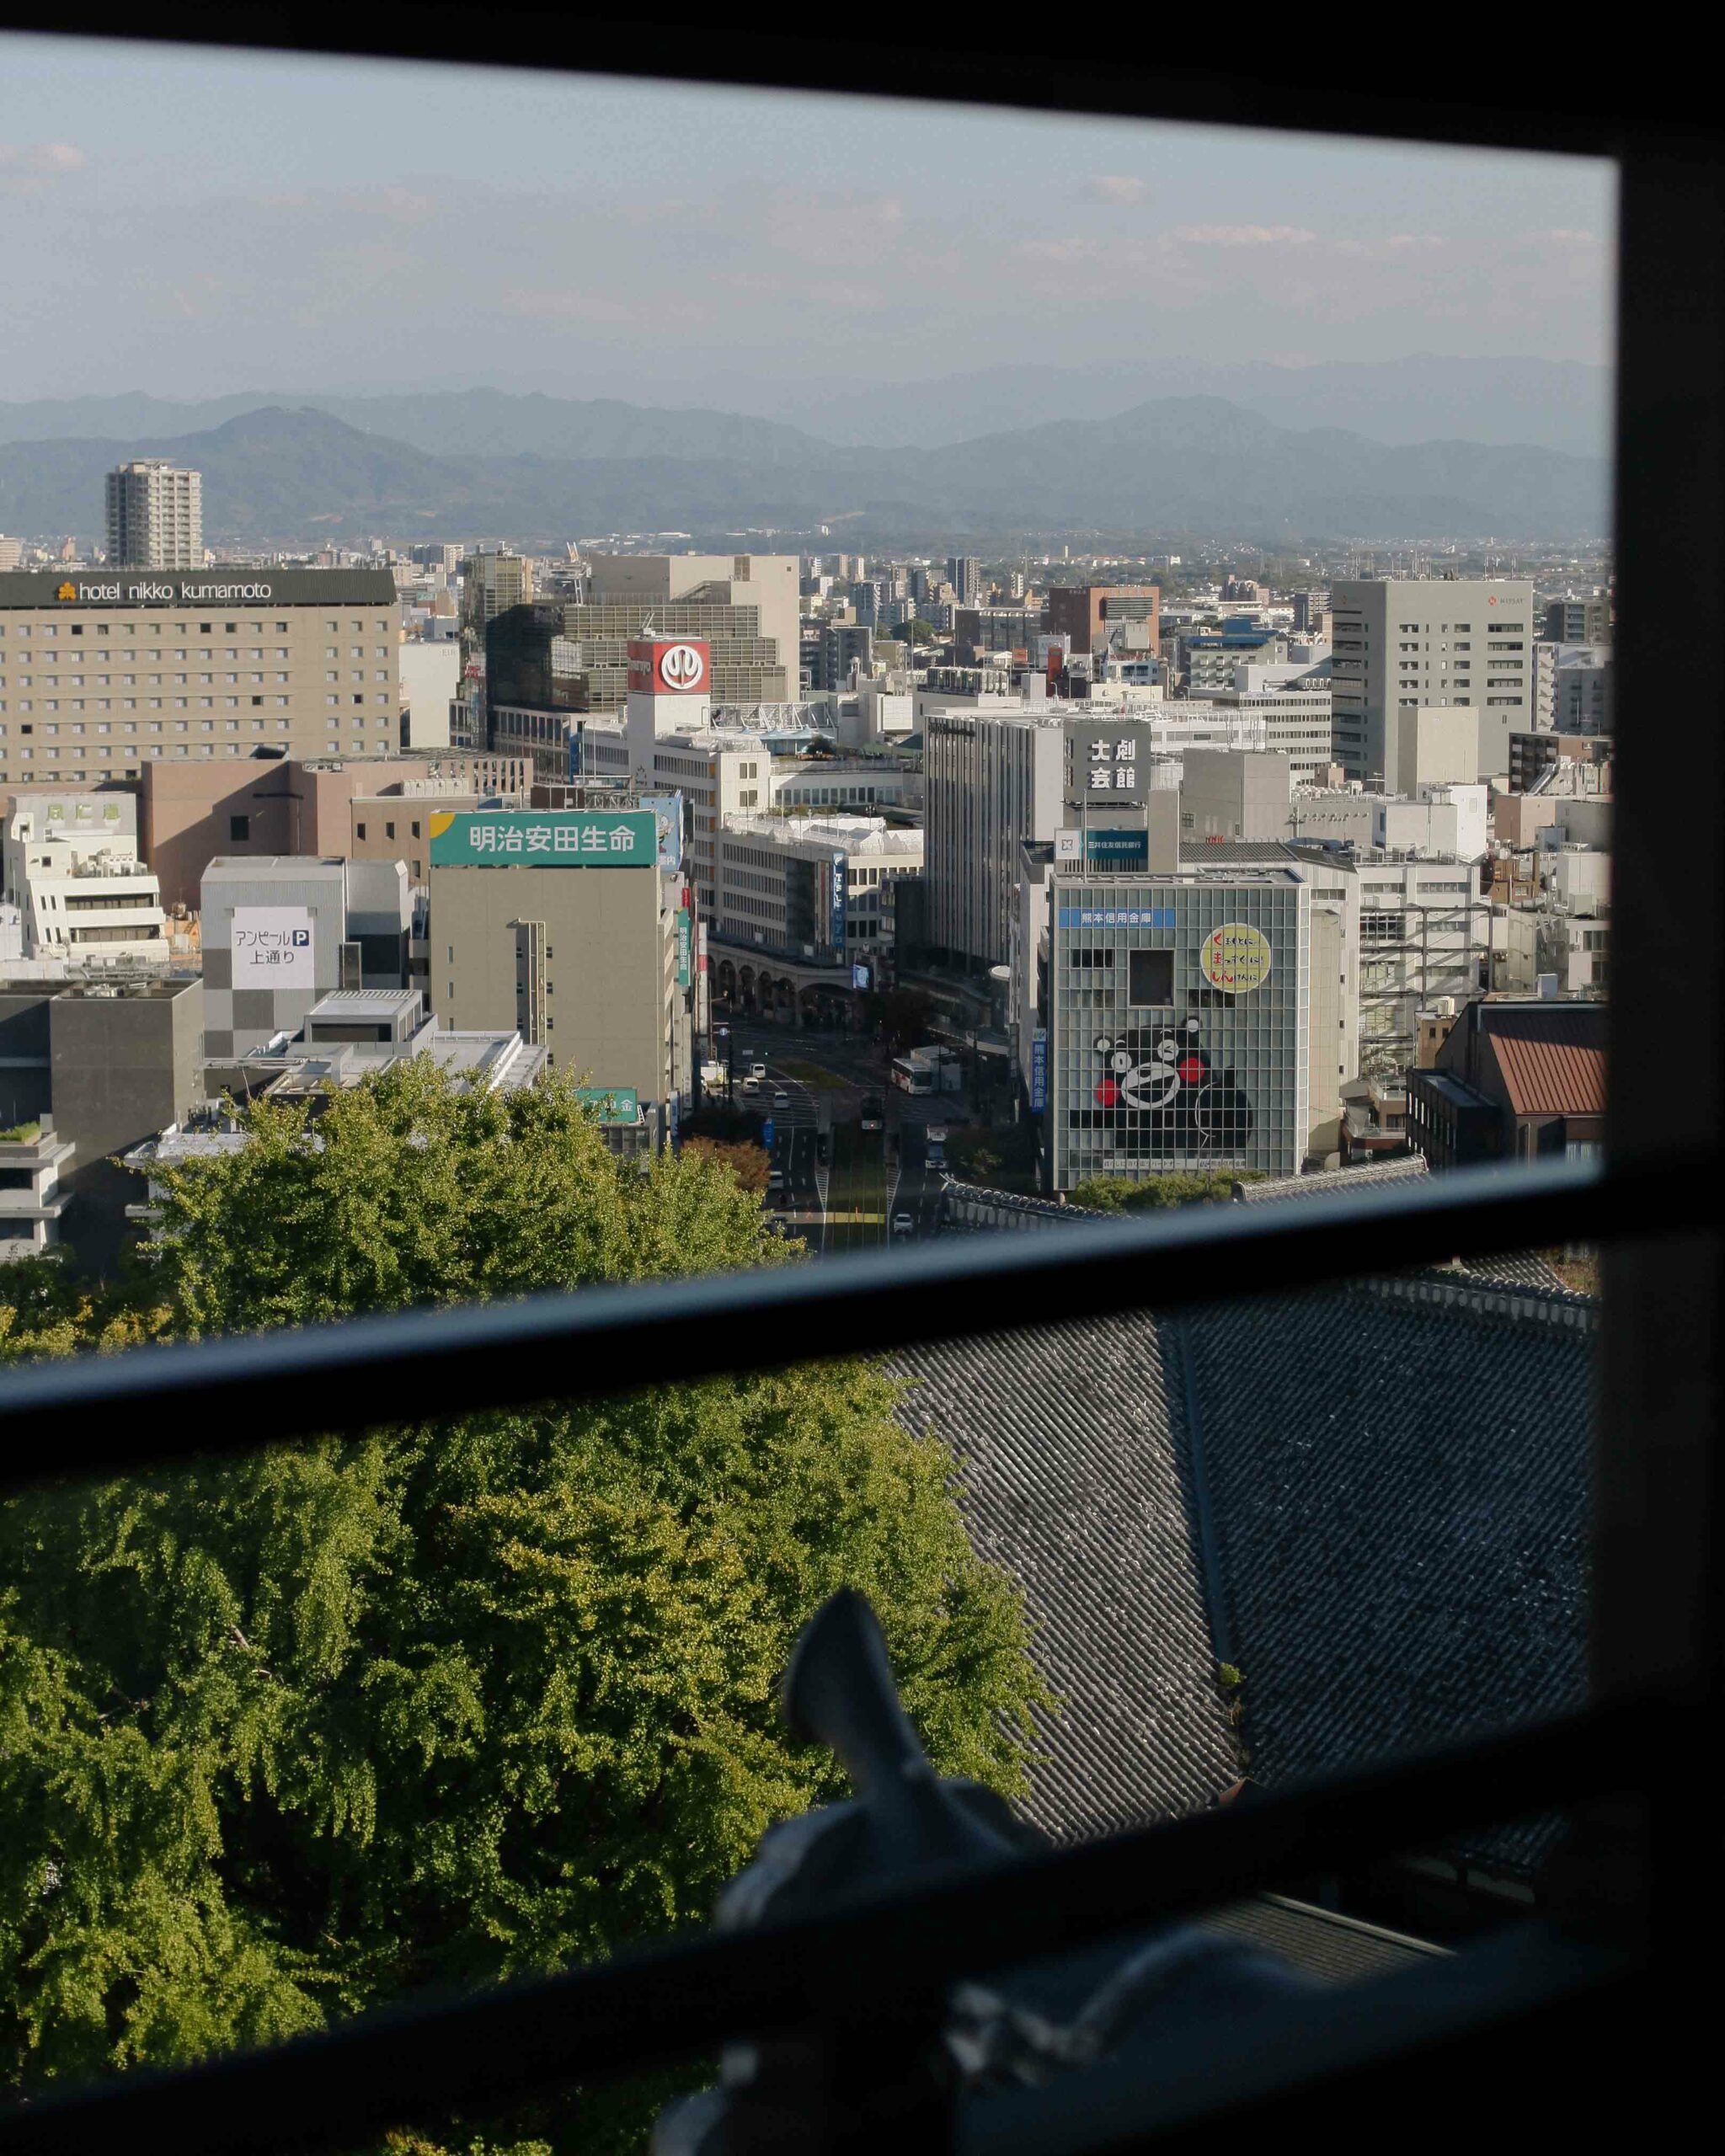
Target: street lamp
x=724 y=1033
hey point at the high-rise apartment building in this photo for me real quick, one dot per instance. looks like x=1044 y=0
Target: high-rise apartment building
x=1401 y=647
x=155 y=516
x=965 y=574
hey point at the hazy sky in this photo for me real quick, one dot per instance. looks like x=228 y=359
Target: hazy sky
x=193 y=225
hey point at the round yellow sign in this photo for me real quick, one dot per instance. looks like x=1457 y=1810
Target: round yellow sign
x=1235 y=957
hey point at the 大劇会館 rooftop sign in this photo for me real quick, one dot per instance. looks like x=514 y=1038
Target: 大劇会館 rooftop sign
x=545 y=838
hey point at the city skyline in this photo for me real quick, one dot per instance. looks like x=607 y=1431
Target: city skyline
x=197 y=224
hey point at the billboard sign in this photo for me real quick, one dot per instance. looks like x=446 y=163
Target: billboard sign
x=1236 y=958
x=546 y=838
x=223 y=587
x=616 y=1104
x=686 y=943
x=668 y=807
x=272 y=947
x=1102 y=762
x=859 y=977
x=1069 y=845
x=665 y=666
x=1116 y=916
x=1117 y=849
x=835 y=910
x=1038 y=1071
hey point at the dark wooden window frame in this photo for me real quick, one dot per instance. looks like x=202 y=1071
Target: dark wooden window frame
x=1597 y=2020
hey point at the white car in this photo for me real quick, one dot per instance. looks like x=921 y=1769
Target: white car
x=775 y=1179
x=751 y=1084
x=902 y=1225
x=781 y=1099
x=757 y=1074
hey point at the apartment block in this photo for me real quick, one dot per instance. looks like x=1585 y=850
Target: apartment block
x=155 y=516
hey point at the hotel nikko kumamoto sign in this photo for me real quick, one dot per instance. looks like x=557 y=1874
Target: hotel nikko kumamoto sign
x=545 y=838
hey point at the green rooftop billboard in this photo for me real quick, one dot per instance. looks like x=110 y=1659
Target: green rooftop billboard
x=548 y=838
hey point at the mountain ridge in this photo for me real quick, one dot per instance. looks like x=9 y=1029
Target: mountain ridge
x=276 y=475
x=1542 y=403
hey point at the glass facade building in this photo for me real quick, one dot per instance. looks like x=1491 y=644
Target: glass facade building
x=1179 y=1023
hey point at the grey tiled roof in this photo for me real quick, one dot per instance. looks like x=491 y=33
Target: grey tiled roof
x=1410 y=1167
x=1397 y=1473
x=1390 y=1481
x=1069 y=1479
x=1336 y=1950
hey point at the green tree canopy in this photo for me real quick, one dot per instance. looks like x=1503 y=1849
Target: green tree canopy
x=1165 y=1186
x=282 y=1737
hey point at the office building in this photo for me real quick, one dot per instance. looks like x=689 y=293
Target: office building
x=1167 y=1013
x=992 y=780
x=821 y=889
x=281 y=932
x=102 y=672
x=491 y=583
x=1085 y=611
x=71 y=869
x=1532 y=757
x=1403 y=645
x=1297 y=716
x=189 y=813
x=668 y=741
x=997 y=628
x=998 y=770
x=573 y=656
x=96 y=1067
x=1578 y=621
x=430 y=683
x=32 y=1204
x=1437 y=821
x=155 y=516
x=559 y=925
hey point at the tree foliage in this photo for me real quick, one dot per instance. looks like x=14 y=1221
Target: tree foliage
x=282 y=1737
x=747 y=1162
x=1168 y=1187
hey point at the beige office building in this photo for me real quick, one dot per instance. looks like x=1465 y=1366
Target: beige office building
x=574 y=950
x=1417 y=645
x=102 y=671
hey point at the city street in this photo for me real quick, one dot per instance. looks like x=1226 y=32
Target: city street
x=847 y=1203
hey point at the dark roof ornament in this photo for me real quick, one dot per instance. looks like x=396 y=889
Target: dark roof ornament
x=908 y=2055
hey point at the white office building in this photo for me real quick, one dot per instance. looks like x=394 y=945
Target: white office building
x=821 y=888
x=71 y=869
x=1404 y=646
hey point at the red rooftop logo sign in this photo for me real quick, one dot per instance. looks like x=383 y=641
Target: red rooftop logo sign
x=667 y=670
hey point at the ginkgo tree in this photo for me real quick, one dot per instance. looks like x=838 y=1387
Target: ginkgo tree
x=286 y=1734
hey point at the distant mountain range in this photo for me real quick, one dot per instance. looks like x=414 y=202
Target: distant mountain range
x=1546 y=404
x=540 y=470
